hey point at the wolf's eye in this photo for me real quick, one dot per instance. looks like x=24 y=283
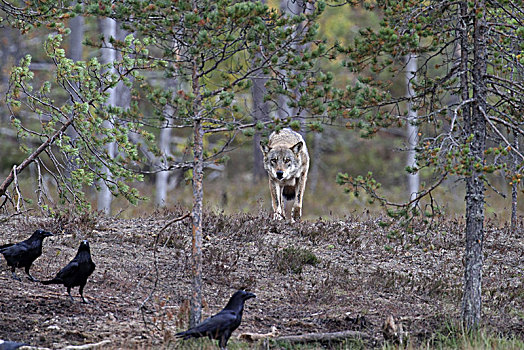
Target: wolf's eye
x=287 y=160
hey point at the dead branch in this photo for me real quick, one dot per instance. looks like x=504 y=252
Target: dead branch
x=253 y=337
x=6 y=218
x=17 y=169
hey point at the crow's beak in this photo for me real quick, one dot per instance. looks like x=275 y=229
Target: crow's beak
x=250 y=295
x=48 y=234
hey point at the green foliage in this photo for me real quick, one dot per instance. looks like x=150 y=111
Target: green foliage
x=443 y=105
x=292 y=259
x=76 y=161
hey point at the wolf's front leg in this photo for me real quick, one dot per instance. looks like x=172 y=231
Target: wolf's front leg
x=296 y=210
x=276 y=200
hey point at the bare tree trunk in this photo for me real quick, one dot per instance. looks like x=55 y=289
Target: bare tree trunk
x=162 y=177
x=108 y=29
x=162 y=183
x=11 y=51
x=412 y=128
x=315 y=166
x=76 y=37
x=476 y=126
x=293 y=8
x=76 y=51
x=198 y=194
x=514 y=186
x=260 y=113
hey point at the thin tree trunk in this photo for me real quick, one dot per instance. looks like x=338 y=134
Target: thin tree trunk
x=198 y=194
x=475 y=126
x=260 y=113
x=162 y=177
x=76 y=37
x=514 y=186
x=108 y=28
x=76 y=52
x=412 y=128
x=292 y=8
x=164 y=144
x=314 y=174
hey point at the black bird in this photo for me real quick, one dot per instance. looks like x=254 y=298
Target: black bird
x=24 y=253
x=76 y=272
x=221 y=325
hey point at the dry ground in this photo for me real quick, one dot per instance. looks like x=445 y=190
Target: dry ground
x=314 y=276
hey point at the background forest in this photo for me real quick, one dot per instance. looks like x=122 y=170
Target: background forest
x=239 y=184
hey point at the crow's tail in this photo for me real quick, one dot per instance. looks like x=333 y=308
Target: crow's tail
x=188 y=334
x=2 y=247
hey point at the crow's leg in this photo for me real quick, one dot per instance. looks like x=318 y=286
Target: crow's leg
x=69 y=292
x=13 y=274
x=222 y=342
x=81 y=290
x=31 y=278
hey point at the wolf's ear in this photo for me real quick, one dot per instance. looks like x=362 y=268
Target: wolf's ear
x=264 y=148
x=296 y=148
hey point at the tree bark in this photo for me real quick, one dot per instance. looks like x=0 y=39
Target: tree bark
x=292 y=8
x=412 y=128
x=314 y=173
x=514 y=186
x=108 y=55
x=476 y=129
x=260 y=113
x=198 y=194
x=76 y=37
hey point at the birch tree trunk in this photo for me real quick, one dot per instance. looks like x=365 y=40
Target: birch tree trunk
x=76 y=51
x=108 y=55
x=475 y=126
x=76 y=37
x=164 y=144
x=412 y=128
x=161 y=178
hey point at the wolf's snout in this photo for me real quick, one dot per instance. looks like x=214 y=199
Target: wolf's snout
x=280 y=174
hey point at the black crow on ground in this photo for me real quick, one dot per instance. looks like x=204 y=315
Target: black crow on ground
x=221 y=325
x=76 y=272
x=24 y=253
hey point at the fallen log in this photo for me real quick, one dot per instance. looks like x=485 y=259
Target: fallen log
x=322 y=337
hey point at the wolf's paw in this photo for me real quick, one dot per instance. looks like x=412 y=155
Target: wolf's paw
x=278 y=216
x=296 y=214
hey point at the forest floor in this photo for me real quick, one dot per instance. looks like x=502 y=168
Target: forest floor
x=309 y=277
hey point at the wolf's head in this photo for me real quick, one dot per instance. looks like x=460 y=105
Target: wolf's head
x=281 y=162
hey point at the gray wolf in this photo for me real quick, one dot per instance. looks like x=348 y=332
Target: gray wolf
x=286 y=161
x=221 y=325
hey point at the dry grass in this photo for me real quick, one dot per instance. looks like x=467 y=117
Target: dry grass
x=337 y=275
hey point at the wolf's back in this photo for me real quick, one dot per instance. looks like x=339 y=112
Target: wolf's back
x=285 y=138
